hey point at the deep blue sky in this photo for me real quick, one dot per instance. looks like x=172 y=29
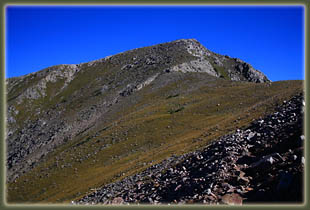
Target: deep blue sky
x=269 y=38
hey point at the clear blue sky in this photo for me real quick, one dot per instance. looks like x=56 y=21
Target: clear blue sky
x=269 y=38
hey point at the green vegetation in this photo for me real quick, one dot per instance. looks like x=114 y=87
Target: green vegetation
x=221 y=71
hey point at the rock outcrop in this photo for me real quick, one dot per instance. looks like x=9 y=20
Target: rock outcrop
x=217 y=65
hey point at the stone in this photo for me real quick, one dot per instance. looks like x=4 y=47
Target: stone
x=118 y=201
x=251 y=135
x=270 y=160
x=232 y=199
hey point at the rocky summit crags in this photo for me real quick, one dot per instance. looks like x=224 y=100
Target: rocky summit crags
x=80 y=126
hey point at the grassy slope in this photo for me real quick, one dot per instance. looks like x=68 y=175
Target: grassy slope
x=146 y=132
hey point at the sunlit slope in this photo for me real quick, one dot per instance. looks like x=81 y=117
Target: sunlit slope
x=176 y=113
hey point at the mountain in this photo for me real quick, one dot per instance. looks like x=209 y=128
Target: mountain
x=71 y=128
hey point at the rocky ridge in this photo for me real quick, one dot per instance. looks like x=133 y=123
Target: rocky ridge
x=262 y=163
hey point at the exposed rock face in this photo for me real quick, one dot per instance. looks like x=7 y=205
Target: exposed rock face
x=262 y=163
x=210 y=62
x=199 y=65
x=249 y=72
x=39 y=104
x=52 y=74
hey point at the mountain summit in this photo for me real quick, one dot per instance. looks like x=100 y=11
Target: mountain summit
x=199 y=59
x=79 y=126
x=214 y=64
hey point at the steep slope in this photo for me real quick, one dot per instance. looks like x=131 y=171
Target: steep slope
x=262 y=163
x=111 y=116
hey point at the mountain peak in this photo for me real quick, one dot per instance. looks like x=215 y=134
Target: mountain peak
x=187 y=40
x=215 y=64
x=96 y=118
